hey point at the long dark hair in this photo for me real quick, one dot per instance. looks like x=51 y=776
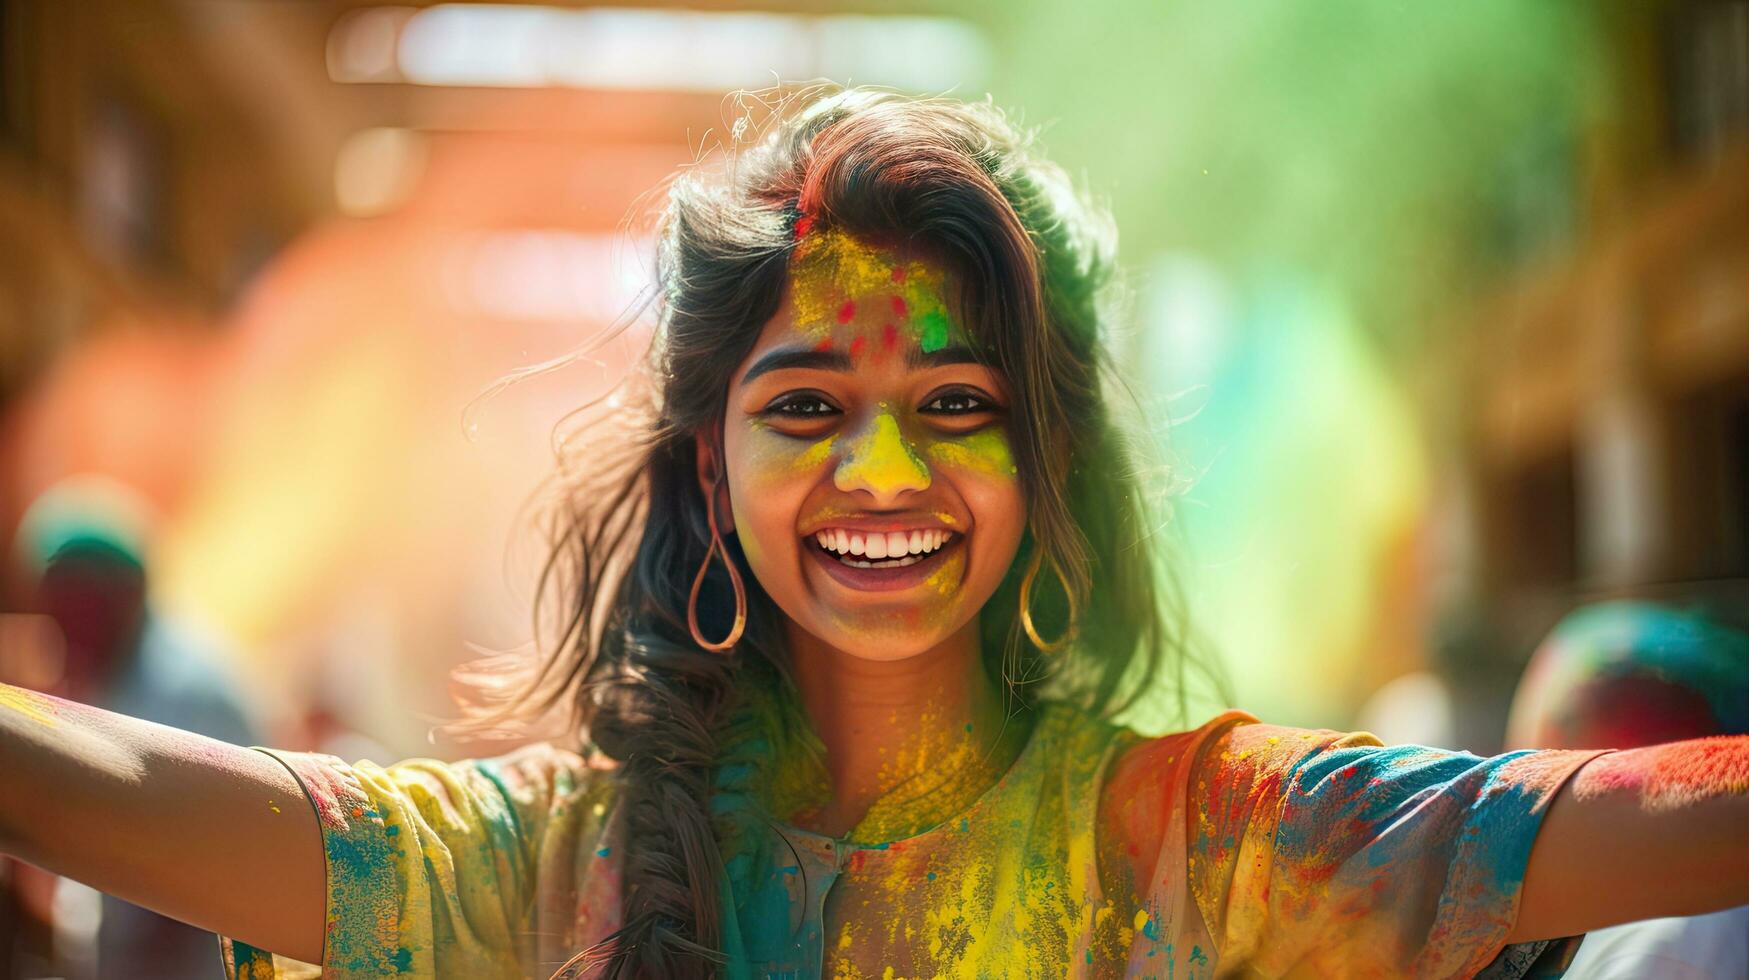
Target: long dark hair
x=1034 y=263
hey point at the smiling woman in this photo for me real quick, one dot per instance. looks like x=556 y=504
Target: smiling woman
x=842 y=626
x=876 y=383
x=866 y=440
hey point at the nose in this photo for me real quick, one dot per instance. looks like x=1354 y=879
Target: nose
x=879 y=461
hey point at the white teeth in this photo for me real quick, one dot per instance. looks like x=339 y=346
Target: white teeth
x=896 y=548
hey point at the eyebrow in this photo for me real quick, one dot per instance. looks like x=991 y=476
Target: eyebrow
x=807 y=358
x=785 y=358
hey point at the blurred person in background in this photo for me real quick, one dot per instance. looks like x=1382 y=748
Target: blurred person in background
x=82 y=548
x=848 y=585
x=1620 y=675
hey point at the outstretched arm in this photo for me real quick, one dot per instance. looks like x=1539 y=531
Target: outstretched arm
x=1640 y=834
x=215 y=835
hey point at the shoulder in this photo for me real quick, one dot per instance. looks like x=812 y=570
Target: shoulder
x=540 y=777
x=543 y=765
x=1232 y=754
x=1144 y=783
x=529 y=783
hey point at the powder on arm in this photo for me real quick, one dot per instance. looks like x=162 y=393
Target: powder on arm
x=439 y=869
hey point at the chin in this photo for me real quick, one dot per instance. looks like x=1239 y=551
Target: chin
x=882 y=636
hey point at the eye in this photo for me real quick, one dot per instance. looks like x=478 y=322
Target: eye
x=799 y=405
x=958 y=402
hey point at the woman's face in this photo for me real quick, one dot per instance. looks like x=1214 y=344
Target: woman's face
x=869 y=473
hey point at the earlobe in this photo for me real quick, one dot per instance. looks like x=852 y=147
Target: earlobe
x=713 y=481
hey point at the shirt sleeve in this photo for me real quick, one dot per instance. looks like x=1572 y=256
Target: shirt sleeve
x=432 y=867
x=1317 y=853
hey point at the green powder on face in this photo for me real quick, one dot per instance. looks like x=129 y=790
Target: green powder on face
x=833 y=273
x=985 y=451
x=933 y=335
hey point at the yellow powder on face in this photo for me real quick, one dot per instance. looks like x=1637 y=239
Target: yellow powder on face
x=750 y=545
x=834 y=274
x=933 y=612
x=816 y=454
x=946 y=578
x=882 y=460
x=984 y=451
x=29 y=704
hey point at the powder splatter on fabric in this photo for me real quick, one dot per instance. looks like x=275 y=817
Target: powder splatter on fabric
x=472 y=869
x=935 y=776
x=1237 y=848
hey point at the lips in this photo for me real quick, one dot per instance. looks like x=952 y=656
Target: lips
x=882 y=560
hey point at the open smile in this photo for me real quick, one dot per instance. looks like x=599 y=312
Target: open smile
x=881 y=560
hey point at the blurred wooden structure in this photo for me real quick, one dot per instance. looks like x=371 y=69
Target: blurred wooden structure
x=1605 y=394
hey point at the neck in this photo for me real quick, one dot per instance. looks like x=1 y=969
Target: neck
x=908 y=742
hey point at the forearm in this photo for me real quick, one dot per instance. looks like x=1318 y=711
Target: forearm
x=1640 y=834
x=200 y=830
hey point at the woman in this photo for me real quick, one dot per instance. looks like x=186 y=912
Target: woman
x=841 y=633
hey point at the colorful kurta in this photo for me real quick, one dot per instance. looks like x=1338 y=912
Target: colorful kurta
x=1236 y=849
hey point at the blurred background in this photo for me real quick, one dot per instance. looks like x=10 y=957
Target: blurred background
x=1440 y=318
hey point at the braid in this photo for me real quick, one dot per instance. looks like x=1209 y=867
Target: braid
x=659 y=712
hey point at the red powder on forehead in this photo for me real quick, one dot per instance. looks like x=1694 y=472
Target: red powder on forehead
x=856 y=348
x=889 y=336
x=804 y=224
x=899 y=274
x=824 y=345
x=900 y=310
x=847 y=312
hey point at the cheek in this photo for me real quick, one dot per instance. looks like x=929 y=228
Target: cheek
x=769 y=477
x=981 y=465
x=983 y=454
x=765 y=461
x=982 y=468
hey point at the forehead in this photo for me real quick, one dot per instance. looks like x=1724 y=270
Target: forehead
x=842 y=287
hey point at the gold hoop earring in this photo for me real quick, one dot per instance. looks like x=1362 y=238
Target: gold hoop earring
x=717 y=548
x=1061 y=643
